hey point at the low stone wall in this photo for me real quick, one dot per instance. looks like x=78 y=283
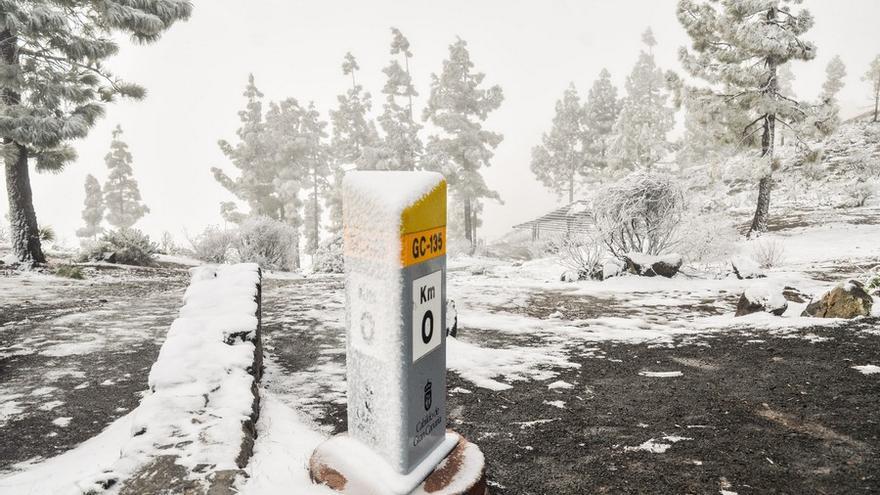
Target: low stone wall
x=195 y=430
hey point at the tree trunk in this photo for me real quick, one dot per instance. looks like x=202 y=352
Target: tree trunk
x=25 y=232
x=768 y=140
x=315 y=221
x=765 y=185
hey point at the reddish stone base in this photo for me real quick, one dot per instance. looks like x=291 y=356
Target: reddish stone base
x=462 y=472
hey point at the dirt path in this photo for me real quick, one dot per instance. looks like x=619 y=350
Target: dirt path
x=75 y=355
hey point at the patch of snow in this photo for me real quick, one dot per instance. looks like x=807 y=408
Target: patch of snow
x=555 y=403
x=559 y=384
x=867 y=369
x=655 y=446
x=481 y=365
x=48 y=406
x=62 y=422
x=660 y=374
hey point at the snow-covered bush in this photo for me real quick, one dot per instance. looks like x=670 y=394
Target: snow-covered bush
x=214 y=245
x=124 y=246
x=768 y=253
x=861 y=191
x=707 y=238
x=582 y=254
x=267 y=242
x=328 y=257
x=640 y=213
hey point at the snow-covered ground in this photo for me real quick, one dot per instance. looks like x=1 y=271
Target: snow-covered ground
x=533 y=354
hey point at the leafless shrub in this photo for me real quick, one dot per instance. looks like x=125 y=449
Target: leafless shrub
x=768 y=253
x=640 y=213
x=582 y=254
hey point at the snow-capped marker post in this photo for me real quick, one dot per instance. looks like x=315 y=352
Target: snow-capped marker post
x=394 y=233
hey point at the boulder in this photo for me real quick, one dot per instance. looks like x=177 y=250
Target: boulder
x=745 y=268
x=612 y=268
x=651 y=266
x=761 y=299
x=847 y=300
x=569 y=276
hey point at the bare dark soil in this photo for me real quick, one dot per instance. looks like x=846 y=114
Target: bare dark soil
x=763 y=414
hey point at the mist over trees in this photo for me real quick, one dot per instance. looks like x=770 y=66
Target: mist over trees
x=55 y=84
x=872 y=76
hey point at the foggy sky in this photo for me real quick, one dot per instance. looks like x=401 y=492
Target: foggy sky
x=196 y=73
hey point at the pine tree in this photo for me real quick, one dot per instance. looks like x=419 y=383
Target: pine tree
x=354 y=137
x=560 y=159
x=53 y=86
x=402 y=146
x=834 y=74
x=645 y=118
x=712 y=128
x=873 y=77
x=823 y=118
x=739 y=46
x=93 y=209
x=258 y=183
x=457 y=106
x=121 y=193
x=602 y=109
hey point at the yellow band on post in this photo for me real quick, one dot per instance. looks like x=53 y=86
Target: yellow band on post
x=422 y=246
x=423 y=228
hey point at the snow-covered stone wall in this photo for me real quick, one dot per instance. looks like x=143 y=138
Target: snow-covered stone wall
x=194 y=430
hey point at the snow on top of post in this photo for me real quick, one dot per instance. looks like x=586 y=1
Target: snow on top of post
x=392 y=191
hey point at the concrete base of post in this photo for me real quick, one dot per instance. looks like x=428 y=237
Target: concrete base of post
x=342 y=465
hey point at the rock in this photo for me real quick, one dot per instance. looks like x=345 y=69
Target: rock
x=569 y=276
x=745 y=268
x=761 y=299
x=651 y=266
x=612 y=268
x=794 y=295
x=847 y=300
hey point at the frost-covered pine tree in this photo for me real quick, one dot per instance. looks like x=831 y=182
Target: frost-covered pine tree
x=457 y=106
x=645 y=116
x=738 y=47
x=559 y=160
x=258 y=181
x=93 y=209
x=835 y=71
x=873 y=78
x=122 y=196
x=602 y=109
x=401 y=146
x=53 y=86
x=824 y=117
x=354 y=137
